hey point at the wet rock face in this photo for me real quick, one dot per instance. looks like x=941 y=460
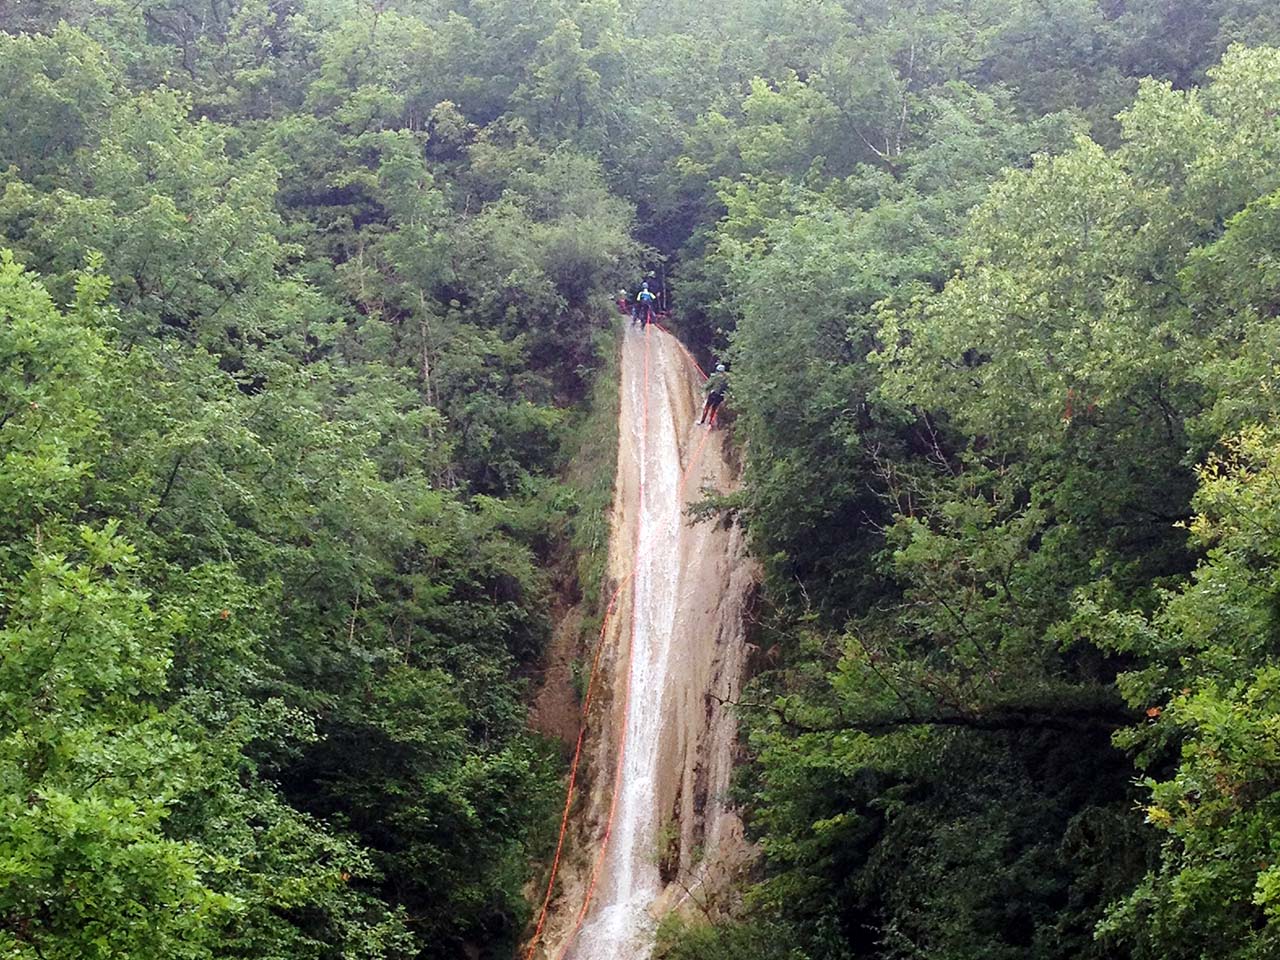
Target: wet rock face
x=655 y=829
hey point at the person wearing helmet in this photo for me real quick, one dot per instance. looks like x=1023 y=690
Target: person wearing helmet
x=643 y=306
x=642 y=309
x=715 y=388
x=622 y=301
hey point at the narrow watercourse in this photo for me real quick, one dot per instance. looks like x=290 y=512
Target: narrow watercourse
x=653 y=831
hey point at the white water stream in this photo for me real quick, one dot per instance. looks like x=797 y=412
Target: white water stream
x=621 y=925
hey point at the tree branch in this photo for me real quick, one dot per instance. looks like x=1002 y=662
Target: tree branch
x=999 y=719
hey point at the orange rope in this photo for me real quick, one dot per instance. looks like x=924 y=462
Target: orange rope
x=577 y=756
x=701 y=372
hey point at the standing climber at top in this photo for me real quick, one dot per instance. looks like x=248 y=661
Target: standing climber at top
x=715 y=388
x=642 y=309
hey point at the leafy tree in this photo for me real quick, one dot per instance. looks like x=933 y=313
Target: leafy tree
x=1205 y=686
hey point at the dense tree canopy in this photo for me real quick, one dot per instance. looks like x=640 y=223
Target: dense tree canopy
x=989 y=392
x=302 y=310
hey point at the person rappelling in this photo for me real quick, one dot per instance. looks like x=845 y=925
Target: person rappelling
x=715 y=388
x=642 y=309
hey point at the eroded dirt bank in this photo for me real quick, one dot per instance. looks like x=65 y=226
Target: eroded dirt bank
x=651 y=831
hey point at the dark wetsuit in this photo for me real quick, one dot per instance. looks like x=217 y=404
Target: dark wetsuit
x=716 y=387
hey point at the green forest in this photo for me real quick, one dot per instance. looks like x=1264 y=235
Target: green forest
x=307 y=371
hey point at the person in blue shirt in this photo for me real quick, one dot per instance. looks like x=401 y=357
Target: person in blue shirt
x=643 y=307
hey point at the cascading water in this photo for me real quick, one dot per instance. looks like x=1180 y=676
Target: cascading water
x=660 y=740
x=622 y=923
